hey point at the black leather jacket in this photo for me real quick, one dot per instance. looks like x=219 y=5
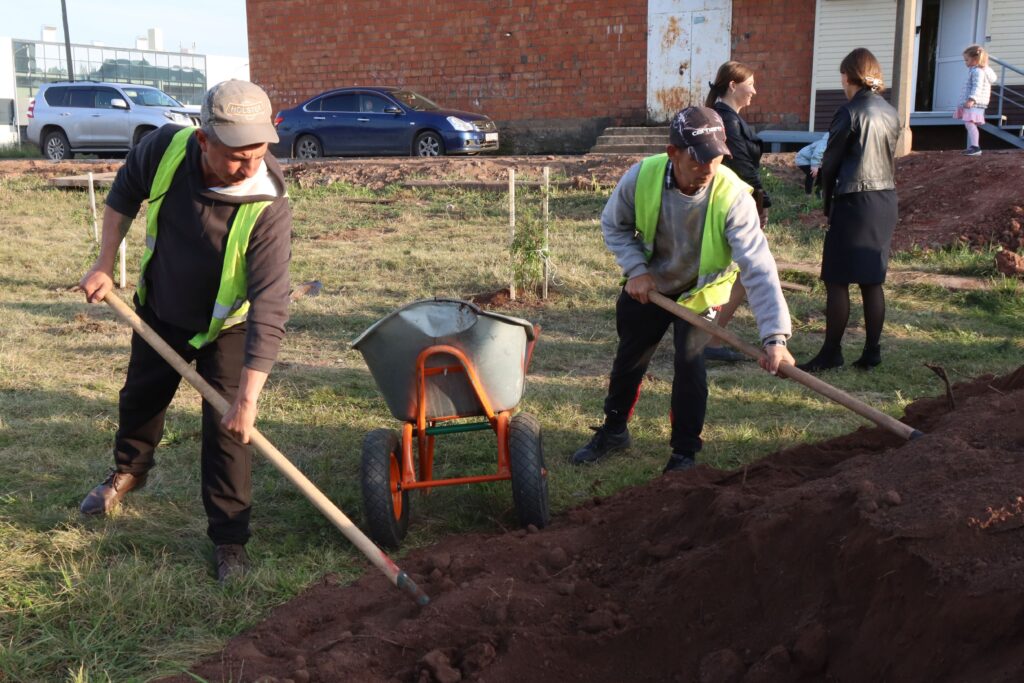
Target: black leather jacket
x=744 y=148
x=861 y=151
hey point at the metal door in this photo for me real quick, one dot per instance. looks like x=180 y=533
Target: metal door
x=961 y=22
x=109 y=126
x=687 y=40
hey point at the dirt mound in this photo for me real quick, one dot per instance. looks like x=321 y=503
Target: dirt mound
x=860 y=558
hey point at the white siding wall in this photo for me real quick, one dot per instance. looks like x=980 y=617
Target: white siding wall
x=842 y=25
x=1006 y=27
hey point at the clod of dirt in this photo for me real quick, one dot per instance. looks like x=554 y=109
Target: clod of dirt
x=477 y=658
x=1009 y=263
x=439 y=667
x=557 y=559
x=810 y=651
x=722 y=666
x=775 y=667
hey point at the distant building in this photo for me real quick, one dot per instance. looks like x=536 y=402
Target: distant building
x=26 y=63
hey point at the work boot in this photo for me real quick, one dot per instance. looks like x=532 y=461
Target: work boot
x=871 y=357
x=826 y=359
x=679 y=462
x=602 y=443
x=109 y=494
x=232 y=562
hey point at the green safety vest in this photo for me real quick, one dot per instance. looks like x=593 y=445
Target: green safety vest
x=717 y=272
x=231 y=307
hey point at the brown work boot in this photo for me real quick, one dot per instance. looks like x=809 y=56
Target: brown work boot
x=232 y=562
x=108 y=495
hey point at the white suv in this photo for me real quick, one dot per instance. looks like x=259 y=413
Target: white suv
x=88 y=117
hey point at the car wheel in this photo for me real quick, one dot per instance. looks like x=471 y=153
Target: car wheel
x=56 y=146
x=308 y=147
x=428 y=144
x=141 y=133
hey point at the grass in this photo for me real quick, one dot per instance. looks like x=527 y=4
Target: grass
x=131 y=597
x=27 y=151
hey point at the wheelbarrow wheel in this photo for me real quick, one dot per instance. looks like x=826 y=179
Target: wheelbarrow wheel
x=386 y=506
x=529 y=479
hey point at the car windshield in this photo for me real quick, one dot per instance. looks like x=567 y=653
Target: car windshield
x=414 y=100
x=151 y=97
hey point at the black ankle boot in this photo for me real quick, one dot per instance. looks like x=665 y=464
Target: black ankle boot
x=825 y=360
x=869 y=358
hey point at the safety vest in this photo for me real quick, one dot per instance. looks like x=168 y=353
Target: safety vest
x=717 y=272
x=231 y=307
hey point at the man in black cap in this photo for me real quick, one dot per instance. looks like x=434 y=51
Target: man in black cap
x=684 y=225
x=213 y=284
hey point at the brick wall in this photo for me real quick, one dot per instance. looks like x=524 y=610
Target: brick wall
x=776 y=40
x=553 y=73
x=544 y=69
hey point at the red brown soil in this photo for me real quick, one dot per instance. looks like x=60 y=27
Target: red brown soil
x=862 y=558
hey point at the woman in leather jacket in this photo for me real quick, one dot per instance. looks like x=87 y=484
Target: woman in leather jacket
x=731 y=91
x=859 y=191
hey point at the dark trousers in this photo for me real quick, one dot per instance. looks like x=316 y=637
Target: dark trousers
x=226 y=463
x=810 y=181
x=640 y=328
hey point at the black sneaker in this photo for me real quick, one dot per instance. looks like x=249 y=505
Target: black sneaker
x=678 y=462
x=232 y=562
x=603 y=443
x=972 y=152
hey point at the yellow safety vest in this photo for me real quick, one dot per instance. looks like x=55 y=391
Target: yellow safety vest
x=231 y=307
x=717 y=272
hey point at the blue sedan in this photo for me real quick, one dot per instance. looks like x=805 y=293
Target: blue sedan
x=380 y=121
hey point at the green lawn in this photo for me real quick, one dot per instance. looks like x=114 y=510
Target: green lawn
x=131 y=597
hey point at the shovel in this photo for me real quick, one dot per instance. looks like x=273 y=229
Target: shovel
x=377 y=556
x=786 y=370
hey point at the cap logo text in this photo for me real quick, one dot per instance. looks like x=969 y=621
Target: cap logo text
x=247 y=110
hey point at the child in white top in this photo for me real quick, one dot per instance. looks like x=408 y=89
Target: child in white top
x=808 y=160
x=975 y=95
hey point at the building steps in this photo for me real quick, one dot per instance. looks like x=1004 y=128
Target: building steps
x=631 y=140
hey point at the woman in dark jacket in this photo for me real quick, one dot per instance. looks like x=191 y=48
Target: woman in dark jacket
x=859 y=189
x=733 y=90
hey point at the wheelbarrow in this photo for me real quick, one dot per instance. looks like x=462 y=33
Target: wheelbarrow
x=440 y=363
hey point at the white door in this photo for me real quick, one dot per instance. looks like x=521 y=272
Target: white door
x=961 y=23
x=687 y=40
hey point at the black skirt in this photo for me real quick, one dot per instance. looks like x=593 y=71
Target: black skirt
x=859 y=237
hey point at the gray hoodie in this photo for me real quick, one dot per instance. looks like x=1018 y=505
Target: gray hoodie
x=676 y=258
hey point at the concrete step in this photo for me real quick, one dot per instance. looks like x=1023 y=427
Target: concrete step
x=632 y=140
x=637 y=130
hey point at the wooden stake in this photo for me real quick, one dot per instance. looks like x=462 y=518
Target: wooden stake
x=544 y=255
x=92 y=205
x=123 y=253
x=512 y=229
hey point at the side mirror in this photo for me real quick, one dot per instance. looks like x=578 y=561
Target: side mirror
x=392 y=110
x=118 y=103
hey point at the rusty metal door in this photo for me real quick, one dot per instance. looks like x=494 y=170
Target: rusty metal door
x=687 y=40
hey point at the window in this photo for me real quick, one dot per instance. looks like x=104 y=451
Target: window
x=82 y=97
x=373 y=103
x=56 y=97
x=342 y=102
x=104 y=96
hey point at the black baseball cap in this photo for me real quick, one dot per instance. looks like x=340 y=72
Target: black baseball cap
x=700 y=131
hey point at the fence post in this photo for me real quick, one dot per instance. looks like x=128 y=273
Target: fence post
x=544 y=244
x=512 y=230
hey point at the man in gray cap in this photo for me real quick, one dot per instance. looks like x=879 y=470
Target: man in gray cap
x=213 y=284
x=684 y=225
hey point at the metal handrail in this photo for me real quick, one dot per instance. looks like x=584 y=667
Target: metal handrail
x=1002 y=87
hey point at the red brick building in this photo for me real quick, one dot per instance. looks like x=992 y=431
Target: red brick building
x=552 y=73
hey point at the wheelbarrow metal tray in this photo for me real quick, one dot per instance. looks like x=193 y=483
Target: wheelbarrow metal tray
x=496 y=346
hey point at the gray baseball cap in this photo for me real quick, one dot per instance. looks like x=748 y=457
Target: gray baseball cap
x=239 y=113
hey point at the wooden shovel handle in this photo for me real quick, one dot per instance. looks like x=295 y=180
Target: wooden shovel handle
x=786 y=370
x=263 y=446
